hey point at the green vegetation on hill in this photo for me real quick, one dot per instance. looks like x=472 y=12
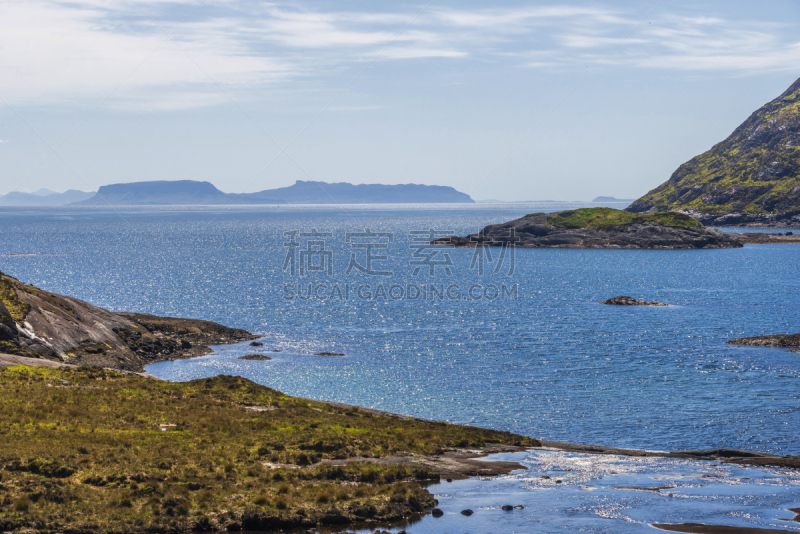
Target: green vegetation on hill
x=8 y=296
x=756 y=170
x=91 y=450
x=604 y=218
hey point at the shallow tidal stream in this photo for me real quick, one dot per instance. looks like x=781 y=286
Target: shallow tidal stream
x=596 y=495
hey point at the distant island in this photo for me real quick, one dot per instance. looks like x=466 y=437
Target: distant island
x=188 y=192
x=752 y=178
x=44 y=197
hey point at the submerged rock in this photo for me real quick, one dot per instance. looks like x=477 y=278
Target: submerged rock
x=328 y=354
x=625 y=300
x=254 y=357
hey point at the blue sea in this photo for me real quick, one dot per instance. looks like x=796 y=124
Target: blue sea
x=506 y=339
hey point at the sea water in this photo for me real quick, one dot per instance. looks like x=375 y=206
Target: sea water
x=510 y=340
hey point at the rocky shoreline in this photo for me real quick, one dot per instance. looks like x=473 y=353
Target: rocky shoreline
x=39 y=324
x=787 y=219
x=731 y=456
x=758 y=238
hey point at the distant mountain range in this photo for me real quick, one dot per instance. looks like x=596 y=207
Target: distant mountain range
x=44 y=197
x=752 y=178
x=186 y=192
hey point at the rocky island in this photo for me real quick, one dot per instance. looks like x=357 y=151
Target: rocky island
x=752 y=178
x=599 y=228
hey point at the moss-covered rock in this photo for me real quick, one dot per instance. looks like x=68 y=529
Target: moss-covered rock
x=16 y=308
x=605 y=218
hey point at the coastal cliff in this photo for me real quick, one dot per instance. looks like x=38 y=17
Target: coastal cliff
x=599 y=228
x=752 y=178
x=40 y=324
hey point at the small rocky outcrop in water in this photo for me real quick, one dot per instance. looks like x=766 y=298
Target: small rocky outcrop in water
x=630 y=301
x=255 y=357
x=328 y=354
x=784 y=341
x=599 y=228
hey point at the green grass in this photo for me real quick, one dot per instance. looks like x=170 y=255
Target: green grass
x=605 y=218
x=83 y=448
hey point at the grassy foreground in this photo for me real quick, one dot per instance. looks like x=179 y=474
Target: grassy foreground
x=91 y=450
x=605 y=218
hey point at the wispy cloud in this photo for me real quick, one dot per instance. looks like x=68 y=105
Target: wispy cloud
x=56 y=52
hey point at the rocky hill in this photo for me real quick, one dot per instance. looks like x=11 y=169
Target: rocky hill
x=39 y=324
x=752 y=178
x=599 y=228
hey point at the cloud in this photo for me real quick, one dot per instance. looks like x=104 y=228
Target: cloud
x=700 y=44
x=90 y=50
x=3 y=142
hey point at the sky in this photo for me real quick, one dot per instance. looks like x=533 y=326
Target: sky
x=502 y=100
